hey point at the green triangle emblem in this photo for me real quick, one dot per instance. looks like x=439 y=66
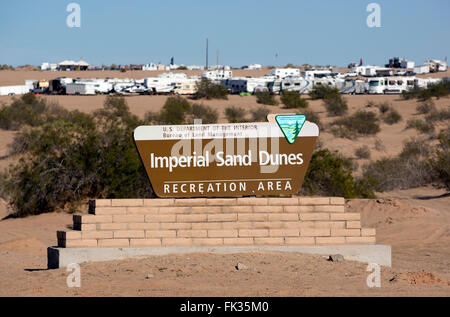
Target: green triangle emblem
x=291 y=125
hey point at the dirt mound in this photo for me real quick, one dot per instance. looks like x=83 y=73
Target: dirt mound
x=417 y=278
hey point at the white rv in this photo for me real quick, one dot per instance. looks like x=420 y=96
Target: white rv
x=185 y=87
x=14 y=90
x=282 y=73
x=80 y=89
x=390 y=85
x=217 y=75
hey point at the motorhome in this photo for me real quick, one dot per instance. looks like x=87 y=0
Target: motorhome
x=311 y=74
x=217 y=75
x=158 y=85
x=390 y=85
x=298 y=84
x=351 y=86
x=185 y=87
x=247 y=84
x=436 y=65
x=282 y=73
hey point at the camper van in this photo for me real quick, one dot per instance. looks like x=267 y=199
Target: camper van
x=390 y=85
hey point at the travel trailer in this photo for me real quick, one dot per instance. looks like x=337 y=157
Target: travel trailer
x=217 y=75
x=298 y=84
x=282 y=73
x=390 y=85
x=311 y=74
x=247 y=84
x=185 y=87
x=80 y=89
x=14 y=90
x=351 y=86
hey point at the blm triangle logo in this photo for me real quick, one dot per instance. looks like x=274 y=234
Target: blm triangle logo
x=291 y=125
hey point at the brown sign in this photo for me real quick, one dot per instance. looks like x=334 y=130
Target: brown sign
x=227 y=160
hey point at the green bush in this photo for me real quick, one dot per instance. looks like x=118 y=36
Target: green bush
x=360 y=123
x=235 y=114
x=293 y=99
x=336 y=105
x=205 y=113
x=266 y=98
x=74 y=157
x=420 y=125
x=209 y=90
x=260 y=114
x=438 y=90
x=330 y=174
x=441 y=164
x=311 y=116
x=175 y=111
x=323 y=92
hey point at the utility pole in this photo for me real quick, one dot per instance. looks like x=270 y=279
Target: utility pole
x=207 y=49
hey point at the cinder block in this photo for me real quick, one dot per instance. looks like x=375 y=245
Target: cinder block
x=176 y=242
x=360 y=240
x=329 y=208
x=368 y=232
x=353 y=225
x=145 y=242
x=174 y=210
x=283 y=217
x=128 y=218
x=238 y=241
x=129 y=234
x=97 y=235
x=158 y=202
x=207 y=242
x=237 y=225
x=345 y=232
x=92 y=219
x=244 y=233
x=192 y=233
x=68 y=235
x=283 y=201
x=110 y=210
x=269 y=241
x=206 y=210
x=299 y=240
x=160 y=233
x=252 y=201
x=267 y=209
x=330 y=240
x=127 y=202
x=175 y=225
x=224 y=233
x=142 y=210
x=313 y=201
x=207 y=226
x=102 y=203
x=329 y=224
x=143 y=226
x=267 y=225
x=222 y=217
x=192 y=218
x=190 y=202
x=83 y=243
x=112 y=226
x=297 y=224
x=85 y=226
x=298 y=209
x=221 y=201
x=113 y=243
x=337 y=200
x=237 y=209
x=284 y=232
x=160 y=218
x=253 y=217
x=345 y=216
x=314 y=232
x=314 y=216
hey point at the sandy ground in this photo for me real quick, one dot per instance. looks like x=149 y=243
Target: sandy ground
x=415 y=222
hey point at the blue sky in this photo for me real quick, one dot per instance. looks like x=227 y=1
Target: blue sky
x=244 y=31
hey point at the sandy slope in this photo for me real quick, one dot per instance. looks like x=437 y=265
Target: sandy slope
x=417 y=229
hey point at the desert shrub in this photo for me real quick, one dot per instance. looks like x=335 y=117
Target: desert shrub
x=293 y=99
x=27 y=110
x=336 y=105
x=260 y=114
x=323 y=92
x=266 y=98
x=420 y=125
x=205 y=113
x=362 y=152
x=441 y=164
x=415 y=148
x=313 y=117
x=330 y=174
x=370 y=104
x=391 y=117
x=175 y=111
x=438 y=115
x=235 y=114
x=438 y=90
x=426 y=107
x=379 y=146
x=360 y=123
x=75 y=157
x=209 y=90
x=384 y=107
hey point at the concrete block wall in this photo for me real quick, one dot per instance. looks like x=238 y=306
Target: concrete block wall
x=216 y=222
